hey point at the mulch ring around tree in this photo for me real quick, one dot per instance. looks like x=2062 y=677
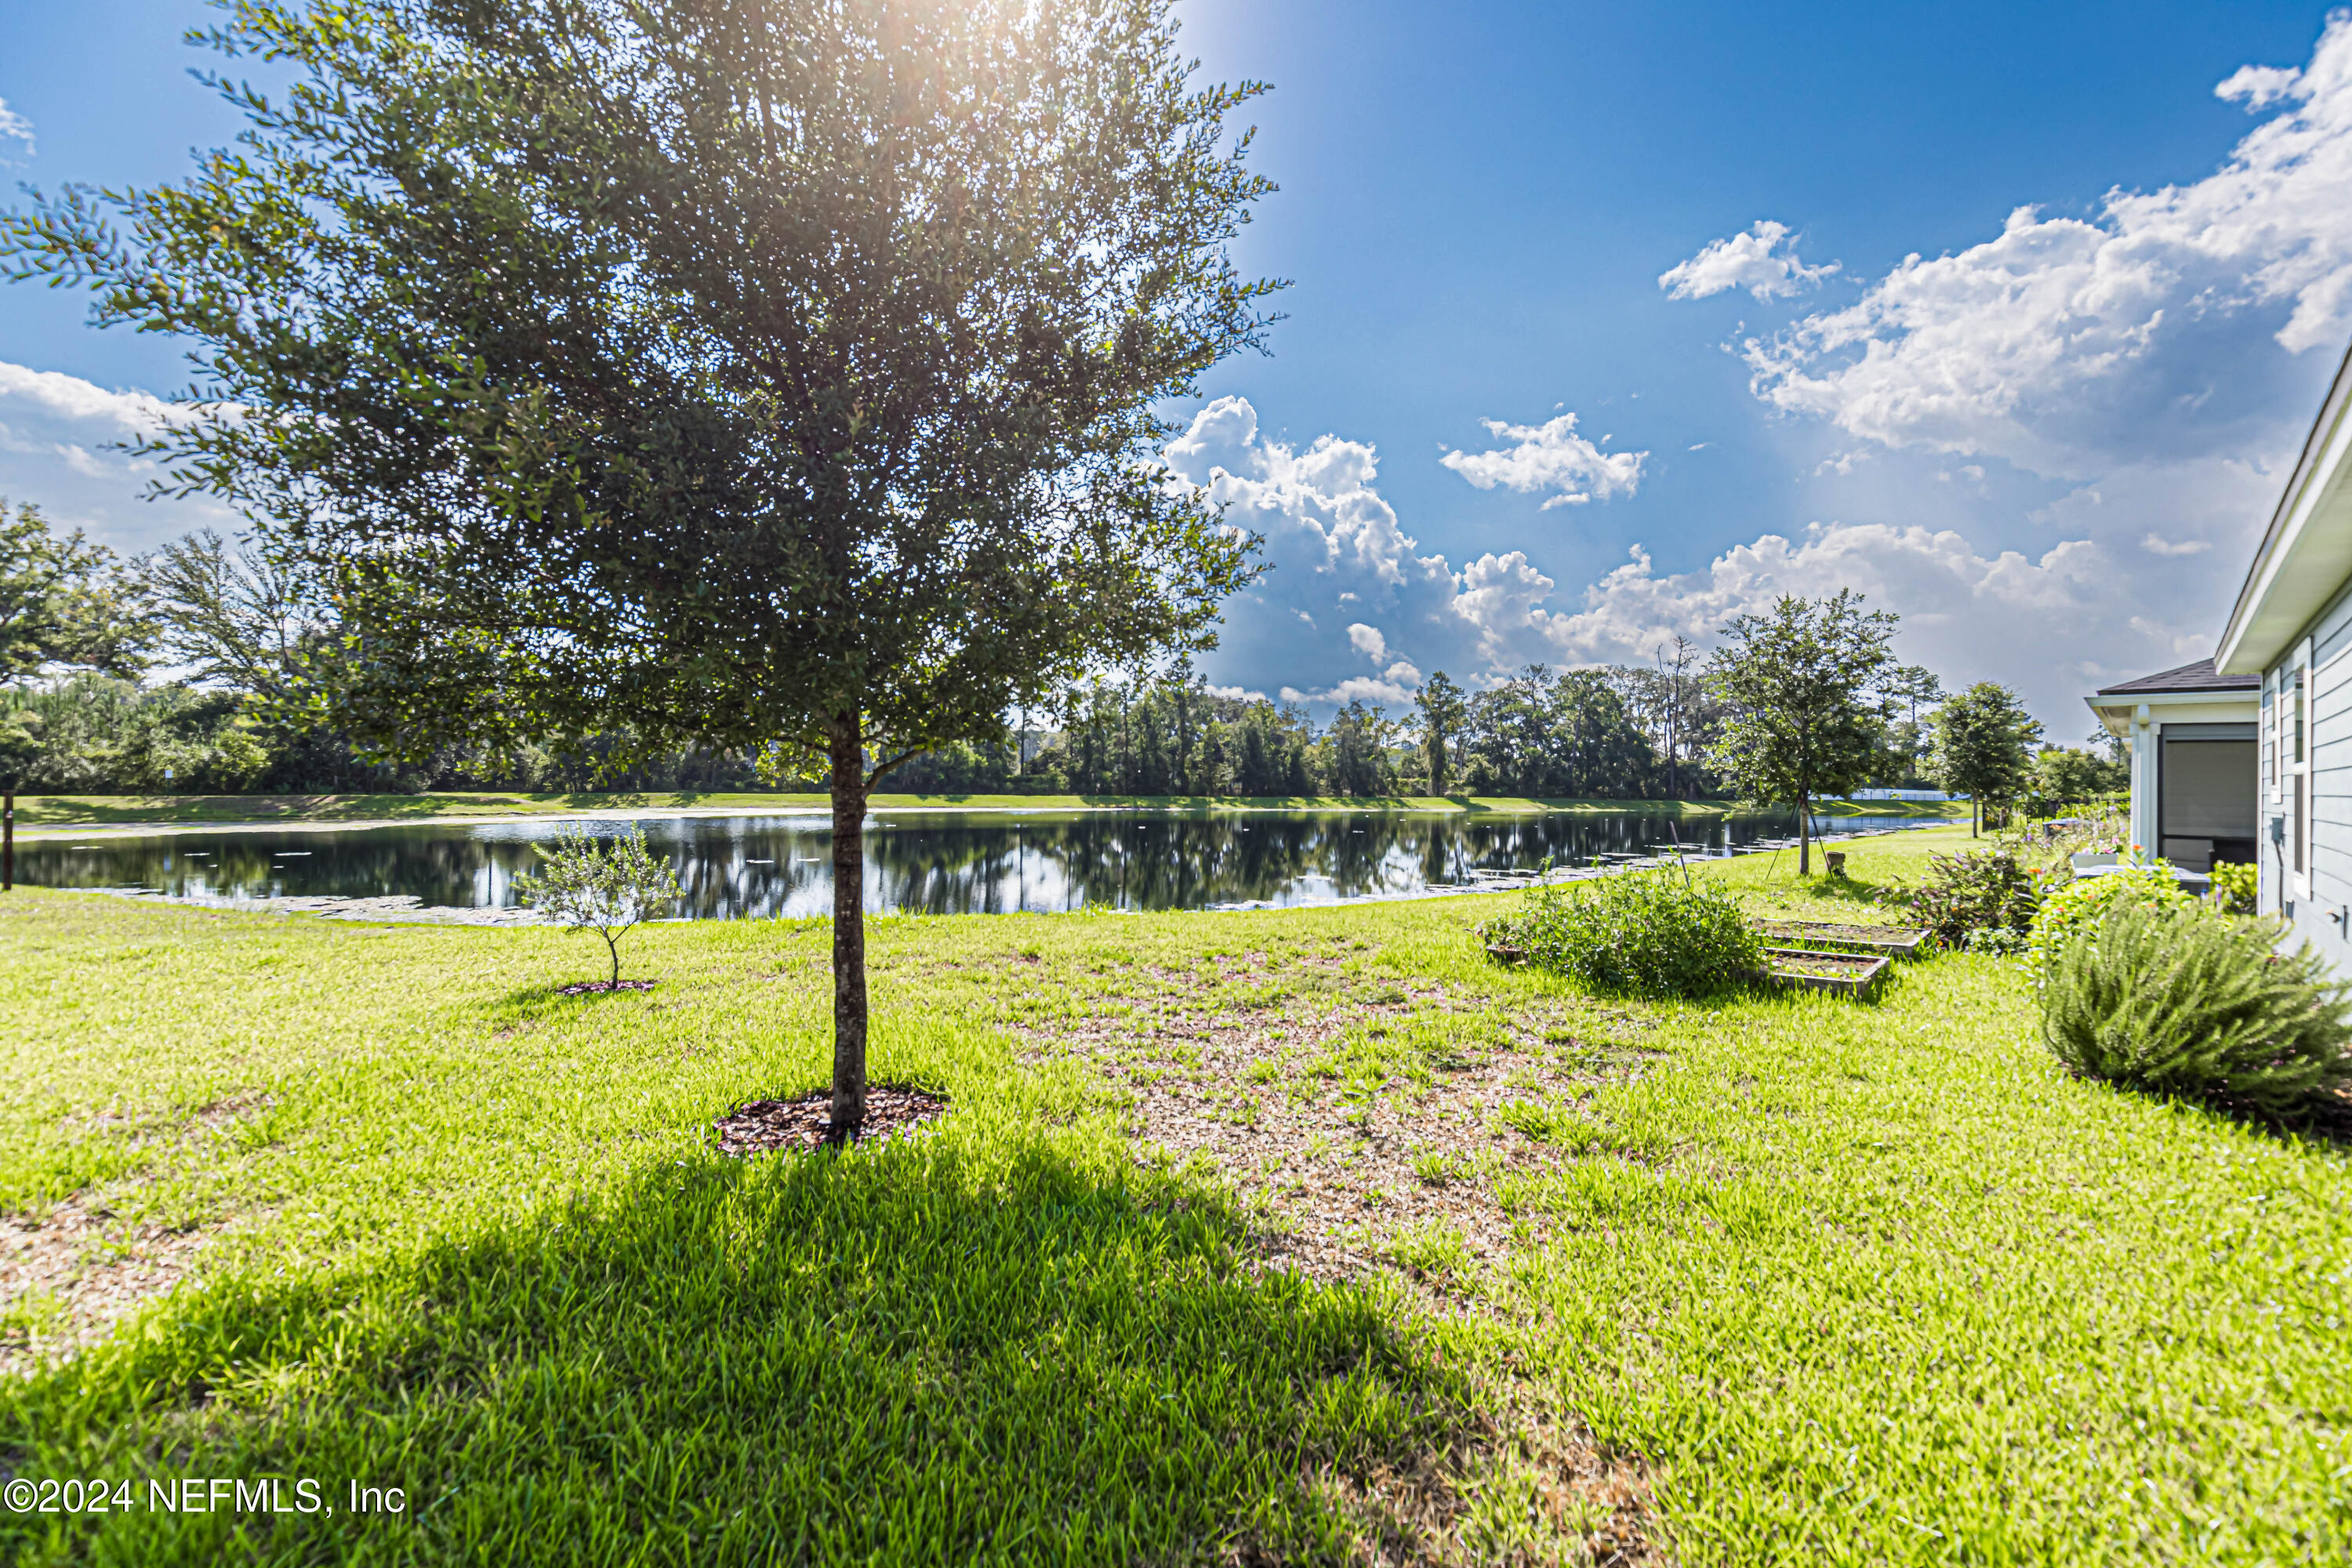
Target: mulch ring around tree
x=604 y=987
x=770 y=1126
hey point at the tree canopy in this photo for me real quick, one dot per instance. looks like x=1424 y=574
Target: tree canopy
x=1795 y=684
x=65 y=601
x=740 y=374
x=1983 y=745
x=1443 y=712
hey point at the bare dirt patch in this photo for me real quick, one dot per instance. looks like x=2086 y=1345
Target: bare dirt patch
x=1346 y=1171
x=1525 y=1487
x=67 y=1277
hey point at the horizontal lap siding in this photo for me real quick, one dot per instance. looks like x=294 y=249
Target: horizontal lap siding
x=2331 y=787
x=2331 y=634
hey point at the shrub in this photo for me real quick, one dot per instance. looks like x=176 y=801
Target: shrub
x=1989 y=891
x=2234 y=887
x=2164 y=995
x=2081 y=904
x=1655 y=934
x=2000 y=942
x=2049 y=846
x=591 y=887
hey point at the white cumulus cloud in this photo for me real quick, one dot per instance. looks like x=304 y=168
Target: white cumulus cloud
x=2156 y=545
x=2053 y=625
x=15 y=128
x=70 y=398
x=1762 y=261
x=2258 y=86
x=2055 y=620
x=54 y=434
x=2067 y=344
x=1550 y=457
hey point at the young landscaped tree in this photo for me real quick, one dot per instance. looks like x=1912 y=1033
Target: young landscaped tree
x=1795 y=685
x=590 y=885
x=1443 y=711
x=1983 y=746
x=706 y=372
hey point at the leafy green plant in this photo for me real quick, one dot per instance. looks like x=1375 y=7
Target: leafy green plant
x=2167 y=996
x=1655 y=934
x=2234 y=887
x=592 y=886
x=2000 y=942
x=2051 y=847
x=2079 y=905
x=1990 y=891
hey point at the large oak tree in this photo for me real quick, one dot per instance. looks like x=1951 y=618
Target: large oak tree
x=729 y=372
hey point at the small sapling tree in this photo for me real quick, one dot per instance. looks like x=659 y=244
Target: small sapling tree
x=590 y=885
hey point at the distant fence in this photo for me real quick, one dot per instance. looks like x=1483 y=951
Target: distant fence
x=1901 y=794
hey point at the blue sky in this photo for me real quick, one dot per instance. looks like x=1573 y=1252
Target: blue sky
x=2049 y=442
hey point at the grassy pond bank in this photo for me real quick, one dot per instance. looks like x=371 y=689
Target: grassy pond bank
x=1288 y=1235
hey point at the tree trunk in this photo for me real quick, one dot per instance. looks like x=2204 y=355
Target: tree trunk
x=848 y=1113
x=8 y=844
x=1804 y=836
x=615 y=948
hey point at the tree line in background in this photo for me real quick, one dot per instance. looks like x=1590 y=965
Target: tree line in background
x=245 y=650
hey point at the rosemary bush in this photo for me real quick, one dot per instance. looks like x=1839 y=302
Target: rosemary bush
x=1654 y=933
x=2168 y=996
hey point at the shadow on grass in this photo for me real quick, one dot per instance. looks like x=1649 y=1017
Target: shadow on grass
x=536 y=1004
x=911 y=1355
x=2322 y=1124
x=1848 y=888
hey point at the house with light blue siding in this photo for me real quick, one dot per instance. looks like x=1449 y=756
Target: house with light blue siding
x=2191 y=735
x=2292 y=626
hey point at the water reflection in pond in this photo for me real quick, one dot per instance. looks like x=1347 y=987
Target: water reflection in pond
x=923 y=862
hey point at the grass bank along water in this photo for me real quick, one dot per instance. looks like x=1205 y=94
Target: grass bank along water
x=1260 y=1233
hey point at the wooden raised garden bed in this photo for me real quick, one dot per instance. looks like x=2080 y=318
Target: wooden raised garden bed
x=1895 y=941
x=1850 y=974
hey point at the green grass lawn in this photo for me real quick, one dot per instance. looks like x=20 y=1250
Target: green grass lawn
x=65 y=811
x=1787 y=1280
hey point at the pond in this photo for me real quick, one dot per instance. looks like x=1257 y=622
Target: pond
x=969 y=862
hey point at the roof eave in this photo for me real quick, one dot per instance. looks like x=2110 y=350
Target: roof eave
x=2117 y=710
x=2297 y=568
